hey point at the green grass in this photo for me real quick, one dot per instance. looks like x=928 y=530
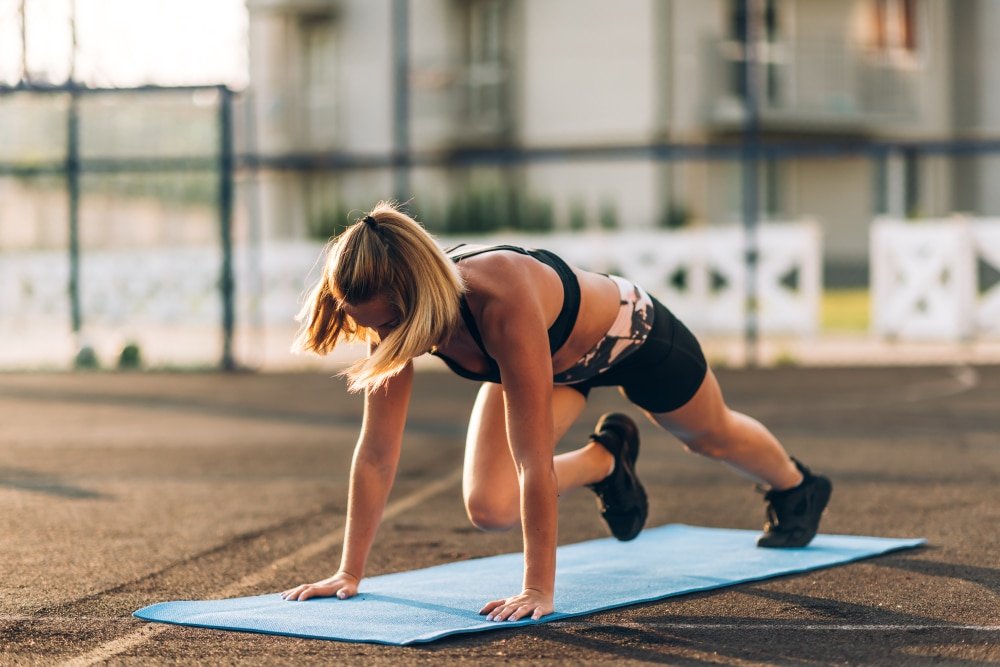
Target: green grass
x=845 y=310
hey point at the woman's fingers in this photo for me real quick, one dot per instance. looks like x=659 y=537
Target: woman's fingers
x=512 y=612
x=490 y=606
x=342 y=584
x=529 y=603
x=304 y=592
x=293 y=593
x=497 y=613
x=506 y=613
x=521 y=612
x=307 y=591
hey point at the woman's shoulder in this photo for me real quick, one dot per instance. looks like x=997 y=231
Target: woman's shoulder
x=504 y=283
x=491 y=264
x=461 y=252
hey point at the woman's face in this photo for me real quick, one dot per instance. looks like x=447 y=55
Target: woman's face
x=376 y=314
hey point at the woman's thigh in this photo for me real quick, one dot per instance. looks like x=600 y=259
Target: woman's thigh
x=488 y=461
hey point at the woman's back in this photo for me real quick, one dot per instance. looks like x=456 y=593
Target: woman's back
x=487 y=271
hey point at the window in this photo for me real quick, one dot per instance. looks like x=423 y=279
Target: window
x=319 y=74
x=485 y=91
x=767 y=28
x=889 y=26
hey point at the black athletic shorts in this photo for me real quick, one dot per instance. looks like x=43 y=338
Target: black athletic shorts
x=664 y=373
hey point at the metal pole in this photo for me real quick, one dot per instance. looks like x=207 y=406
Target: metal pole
x=401 y=106
x=751 y=157
x=25 y=76
x=252 y=200
x=73 y=192
x=73 y=184
x=73 y=44
x=226 y=189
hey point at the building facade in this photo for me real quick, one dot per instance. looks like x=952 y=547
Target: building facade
x=852 y=90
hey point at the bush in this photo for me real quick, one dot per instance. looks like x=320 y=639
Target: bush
x=675 y=216
x=86 y=359
x=475 y=211
x=577 y=216
x=486 y=211
x=608 y=216
x=331 y=221
x=130 y=357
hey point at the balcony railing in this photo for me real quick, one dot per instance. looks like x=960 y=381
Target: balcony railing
x=815 y=86
x=461 y=103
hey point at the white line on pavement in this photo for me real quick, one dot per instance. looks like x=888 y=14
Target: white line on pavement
x=836 y=627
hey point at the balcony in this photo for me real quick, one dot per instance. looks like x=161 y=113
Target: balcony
x=457 y=104
x=827 y=86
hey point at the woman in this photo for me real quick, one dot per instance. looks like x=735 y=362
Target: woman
x=539 y=334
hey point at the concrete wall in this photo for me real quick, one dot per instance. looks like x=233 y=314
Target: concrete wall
x=589 y=72
x=988 y=122
x=690 y=26
x=976 y=100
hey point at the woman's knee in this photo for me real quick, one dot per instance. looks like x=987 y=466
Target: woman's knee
x=488 y=513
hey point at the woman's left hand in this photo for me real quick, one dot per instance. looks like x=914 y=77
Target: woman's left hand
x=528 y=602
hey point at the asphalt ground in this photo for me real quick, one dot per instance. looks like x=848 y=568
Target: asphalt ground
x=120 y=490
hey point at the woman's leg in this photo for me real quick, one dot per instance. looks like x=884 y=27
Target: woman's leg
x=489 y=483
x=710 y=428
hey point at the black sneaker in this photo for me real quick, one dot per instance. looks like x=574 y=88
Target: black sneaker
x=620 y=496
x=793 y=514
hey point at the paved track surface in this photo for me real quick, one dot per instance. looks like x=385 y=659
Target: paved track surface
x=117 y=491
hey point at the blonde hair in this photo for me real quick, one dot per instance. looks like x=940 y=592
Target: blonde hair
x=385 y=253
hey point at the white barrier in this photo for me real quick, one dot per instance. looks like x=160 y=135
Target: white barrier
x=699 y=274
x=164 y=286
x=986 y=242
x=33 y=288
x=924 y=278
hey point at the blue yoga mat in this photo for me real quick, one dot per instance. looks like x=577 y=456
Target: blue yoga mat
x=424 y=605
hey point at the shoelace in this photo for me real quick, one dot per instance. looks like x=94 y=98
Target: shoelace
x=610 y=507
x=773 y=523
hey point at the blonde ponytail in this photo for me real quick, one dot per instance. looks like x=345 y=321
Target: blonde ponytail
x=386 y=253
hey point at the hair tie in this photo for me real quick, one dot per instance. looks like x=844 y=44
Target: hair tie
x=370 y=221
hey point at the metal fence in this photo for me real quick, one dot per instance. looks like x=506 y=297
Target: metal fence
x=115 y=198
x=120 y=222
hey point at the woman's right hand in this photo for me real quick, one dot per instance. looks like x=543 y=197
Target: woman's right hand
x=343 y=585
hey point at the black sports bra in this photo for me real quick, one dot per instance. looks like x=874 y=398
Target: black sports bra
x=559 y=331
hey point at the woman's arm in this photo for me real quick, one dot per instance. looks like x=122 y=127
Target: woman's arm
x=373 y=470
x=514 y=331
